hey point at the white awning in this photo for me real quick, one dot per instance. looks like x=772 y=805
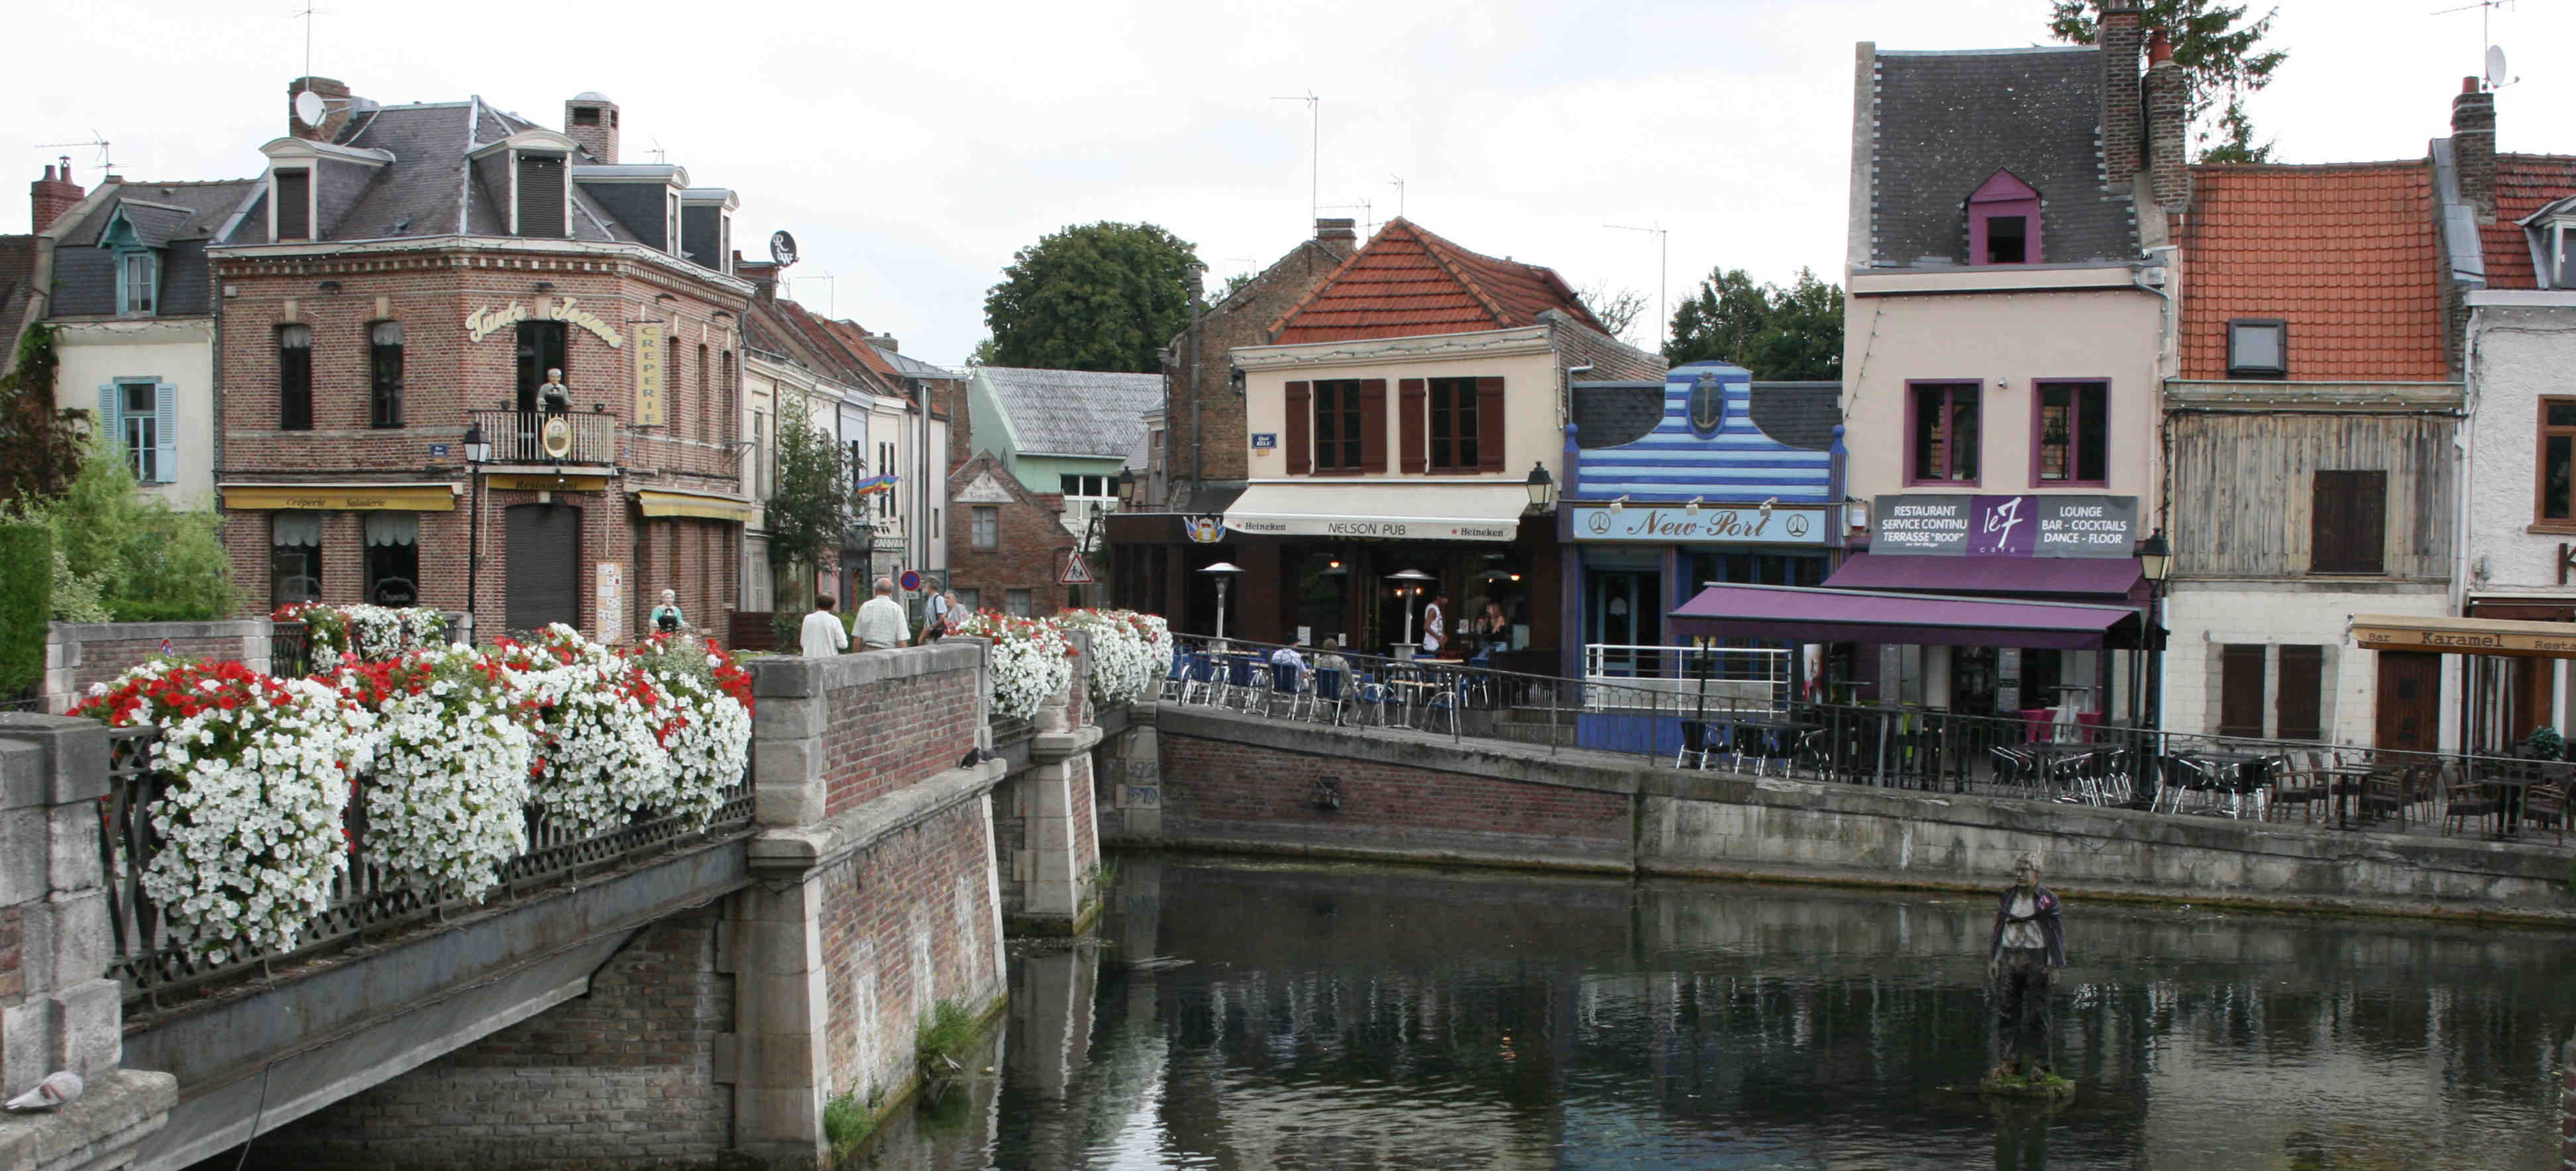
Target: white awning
x=1380 y=509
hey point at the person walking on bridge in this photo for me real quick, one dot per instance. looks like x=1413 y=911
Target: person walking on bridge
x=881 y=622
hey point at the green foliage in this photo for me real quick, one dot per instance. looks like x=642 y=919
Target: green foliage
x=2545 y=743
x=810 y=507
x=947 y=1034
x=847 y=1122
x=2221 y=56
x=26 y=604
x=76 y=598
x=1786 y=335
x=1102 y=296
x=41 y=442
x=151 y=562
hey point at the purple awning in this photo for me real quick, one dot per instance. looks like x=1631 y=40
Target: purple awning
x=2092 y=578
x=1810 y=615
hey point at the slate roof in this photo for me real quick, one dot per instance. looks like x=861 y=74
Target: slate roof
x=1407 y=282
x=1799 y=414
x=1074 y=412
x=179 y=219
x=1941 y=124
x=2523 y=184
x=2346 y=253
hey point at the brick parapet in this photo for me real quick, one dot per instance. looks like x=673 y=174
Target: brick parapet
x=833 y=733
x=57 y=1011
x=78 y=654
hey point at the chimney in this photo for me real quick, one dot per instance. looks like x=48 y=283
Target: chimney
x=763 y=275
x=2168 y=101
x=1336 y=236
x=2122 y=124
x=591 y=120
x=886 y=342
x=48 y=198
x=335 y=109
x=2473 y=146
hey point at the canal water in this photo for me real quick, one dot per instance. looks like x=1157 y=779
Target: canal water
x=1239 y=1014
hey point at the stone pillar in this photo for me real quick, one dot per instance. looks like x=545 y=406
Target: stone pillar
x=1135 y=776
x=58 y=1011
x=2567 y=1107
x=1061 y=855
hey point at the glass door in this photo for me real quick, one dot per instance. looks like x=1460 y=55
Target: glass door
x=1623 y=612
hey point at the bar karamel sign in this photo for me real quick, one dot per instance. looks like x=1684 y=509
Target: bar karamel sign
x=2465 y=636
x=2005 y=526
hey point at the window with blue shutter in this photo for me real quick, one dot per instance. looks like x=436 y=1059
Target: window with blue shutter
x=165 y=415
x=142 y=415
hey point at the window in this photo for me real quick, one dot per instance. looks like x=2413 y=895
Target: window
x=1087 y=487
x=760 y=465
x=294 y=558
x=671 y=363
x=295 y=378
x=393 y=558
x=706 y=398
x=139 y=276
x=385 y=374
x=885 y=467
x=988 y=527
x=1453 y=425
x=2004 y=222
x=2007 y=239
x=2258 y=349
x=2348 y=522
x=137 y=424
x=2297 y=710
x=541 y=196
x=294 y=204
x=725 y=418
x=1018 y=603
x=2074 y=441
x=543 y=346
x=2240 y=689
x=1944 y=433
x=970 y=600
x=2557 y=481
x=1337 y=426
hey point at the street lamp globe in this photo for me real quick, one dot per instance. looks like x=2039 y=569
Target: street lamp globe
x=2155 y=557
x=1541 y=485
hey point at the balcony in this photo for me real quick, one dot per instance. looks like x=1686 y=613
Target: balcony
x=524 y=437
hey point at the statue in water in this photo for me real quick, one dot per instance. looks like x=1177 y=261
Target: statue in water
x=2029 y=944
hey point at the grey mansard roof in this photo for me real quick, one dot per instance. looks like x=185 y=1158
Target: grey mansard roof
x=1943 y=123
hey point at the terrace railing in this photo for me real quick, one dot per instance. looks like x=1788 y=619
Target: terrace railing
x=519 y=437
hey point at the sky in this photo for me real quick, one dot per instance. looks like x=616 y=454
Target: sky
x=913 y=148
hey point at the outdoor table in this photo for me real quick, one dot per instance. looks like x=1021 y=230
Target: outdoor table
x=2509 y=791
x=2245 y=766
x=2347 y=785
x=1770 y=728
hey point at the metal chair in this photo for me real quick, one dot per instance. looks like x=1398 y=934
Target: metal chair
x=1199 y=679
x=1330 y=690
x=1445 y=702
x=1286 y=680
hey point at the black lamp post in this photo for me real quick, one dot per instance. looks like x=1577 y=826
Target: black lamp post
x=2155 y=560
x=478 y=452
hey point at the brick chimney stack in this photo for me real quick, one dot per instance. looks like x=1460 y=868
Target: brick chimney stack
x=2168 y=102
x=763 y=275
x=2473 y=146
x=335 y=107
x=2122 y=124
x=591 y=120
x=1336 y=236
x=48 y=198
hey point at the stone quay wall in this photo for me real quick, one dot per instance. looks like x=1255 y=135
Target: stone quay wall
x=2567 y=1107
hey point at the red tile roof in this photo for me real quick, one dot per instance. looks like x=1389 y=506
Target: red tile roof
x=2347 y=254
x=2524 y=184
x=1408 y=282
x=838 y=349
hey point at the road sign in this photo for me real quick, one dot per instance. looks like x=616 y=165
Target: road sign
x=1074 y=571
x=911 y=579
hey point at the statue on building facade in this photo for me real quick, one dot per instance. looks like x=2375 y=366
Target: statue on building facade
x=553 y=398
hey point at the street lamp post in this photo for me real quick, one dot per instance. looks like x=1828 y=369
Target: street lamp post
x=1224 y=572
x=2155 y=561
x=478 y=452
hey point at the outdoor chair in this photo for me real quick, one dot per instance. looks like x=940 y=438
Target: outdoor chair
x=1373 y=697
x=2300 y=782
x=1445 y=702
x=2384 y=794
x=1199 y=681
x=1172 y=677
x=1243 y=675
x=2463 y=798
x=1288 y=683
x=2546 y=803
x=1328 y=691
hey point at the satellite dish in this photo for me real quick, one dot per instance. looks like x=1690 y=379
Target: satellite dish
x=2496 y=76
x=782 y=248
x=309 y=109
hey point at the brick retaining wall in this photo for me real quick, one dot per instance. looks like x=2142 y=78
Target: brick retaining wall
x=78 y=654
x=908 y=922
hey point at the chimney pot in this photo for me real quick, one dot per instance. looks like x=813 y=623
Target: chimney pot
x=48 y=198
x=591 y=120
x=2123 y=125
x=2473 y=147
x=2168 y=102
x=1336 y=235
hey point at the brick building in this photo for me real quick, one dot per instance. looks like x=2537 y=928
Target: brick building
x=1203 y=408
x=1008 y=544
x=401 y=283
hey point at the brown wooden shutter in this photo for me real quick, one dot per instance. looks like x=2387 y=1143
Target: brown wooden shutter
x=2298 y=710
x=1301 y=421
x=2326 y=524
x=2367 y=542
x=293 y=195
x=541 y=196
x=1409 y=408
x=2240 y=690
x=1489 y=424
x=1373 y=425
x=2348 y=532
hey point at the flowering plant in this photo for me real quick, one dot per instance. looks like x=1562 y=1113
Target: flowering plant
x=1130 y=652
x=448 y=802
x=368 y=633
x=259 y=771
x=1031 y=660
x=707 y=727
x=599 y=722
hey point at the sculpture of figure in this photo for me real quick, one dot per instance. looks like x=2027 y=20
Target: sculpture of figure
x=2029 y=943
x=552 y=397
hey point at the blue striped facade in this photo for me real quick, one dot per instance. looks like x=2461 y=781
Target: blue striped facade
x=1738 y=463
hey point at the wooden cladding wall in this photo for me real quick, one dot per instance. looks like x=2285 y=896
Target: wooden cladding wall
x=2242 y=489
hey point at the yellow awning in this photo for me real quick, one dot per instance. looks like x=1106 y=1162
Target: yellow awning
x=341 y=497
x=662 y=502
x=2465 y=636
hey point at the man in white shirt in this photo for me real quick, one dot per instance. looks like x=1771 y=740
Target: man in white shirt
x=822 y=634
x=881 y=621
x=1434 y=635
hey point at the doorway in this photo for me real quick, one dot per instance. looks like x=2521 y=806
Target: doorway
x=2410 y=689
x=1623 y=609
x=544 y=565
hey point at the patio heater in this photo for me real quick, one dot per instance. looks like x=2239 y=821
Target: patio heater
x=1411 y=589
x=1224 y=572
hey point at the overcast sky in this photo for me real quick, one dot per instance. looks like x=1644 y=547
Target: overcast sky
x=913 y=147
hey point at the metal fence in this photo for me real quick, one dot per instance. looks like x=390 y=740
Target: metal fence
x=155 y=958
x=1703 y=724
x=519 y=437
x=290 y=649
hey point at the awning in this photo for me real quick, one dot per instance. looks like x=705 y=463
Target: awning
x=706 y=506
x=414 y=497
x=2465 y=636
x=2101 y=578
x=1381 y=509
x=1815 y=615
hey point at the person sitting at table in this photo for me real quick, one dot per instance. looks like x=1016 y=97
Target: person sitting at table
x=1330 y=658
x=1287 y=656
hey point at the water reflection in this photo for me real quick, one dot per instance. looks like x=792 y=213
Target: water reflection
x=1256 y=1016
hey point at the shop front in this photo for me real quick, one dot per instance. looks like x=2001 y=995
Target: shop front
x=1637 y=562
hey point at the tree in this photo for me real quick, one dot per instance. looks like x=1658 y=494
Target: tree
x=147 y=561
x=1786 y=335
x=810 y=507
x=1617 y=309
x=1102 y=296
x=44 y=450
x=2222 y=60
x=1234 y=284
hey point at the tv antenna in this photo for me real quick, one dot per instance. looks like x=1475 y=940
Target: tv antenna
x=1663 y=278
x=306 y=14
x=1362 y=207
x=1315 y=149
x=2495 y=75
x=1397 y=182
x=106 y=160
x=658 y=153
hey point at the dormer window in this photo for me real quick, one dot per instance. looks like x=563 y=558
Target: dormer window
x=138 y=278
x=541 y=198
x=2552 y=233
x=2003 y=222
x=291 y=197
x=2258 y=348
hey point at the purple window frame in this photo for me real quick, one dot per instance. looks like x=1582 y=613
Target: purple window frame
x=2003 y=194
x=1913 y=401
x=2038 y=396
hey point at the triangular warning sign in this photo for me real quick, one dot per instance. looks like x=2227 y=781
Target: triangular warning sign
x=1075 y=570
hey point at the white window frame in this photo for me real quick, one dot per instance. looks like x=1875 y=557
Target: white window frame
x=126 y=261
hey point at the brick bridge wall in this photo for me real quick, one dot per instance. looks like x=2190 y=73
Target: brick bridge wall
x=78 y=654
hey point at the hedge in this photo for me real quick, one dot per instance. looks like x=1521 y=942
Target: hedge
x=26 y=605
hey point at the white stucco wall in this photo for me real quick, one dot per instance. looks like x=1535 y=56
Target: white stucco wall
x=2519 y=353
x=2202 y=620
x=1533 y=424
x=180 y=352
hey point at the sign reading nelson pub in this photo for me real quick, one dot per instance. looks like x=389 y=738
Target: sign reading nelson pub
x=2005 y=526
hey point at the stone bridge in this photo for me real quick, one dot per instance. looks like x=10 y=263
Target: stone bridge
x=665 y=995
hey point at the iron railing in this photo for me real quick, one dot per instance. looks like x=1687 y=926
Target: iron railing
x=155 y=958
x=290 y=649
x=519 y=437
x=2060 y=759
